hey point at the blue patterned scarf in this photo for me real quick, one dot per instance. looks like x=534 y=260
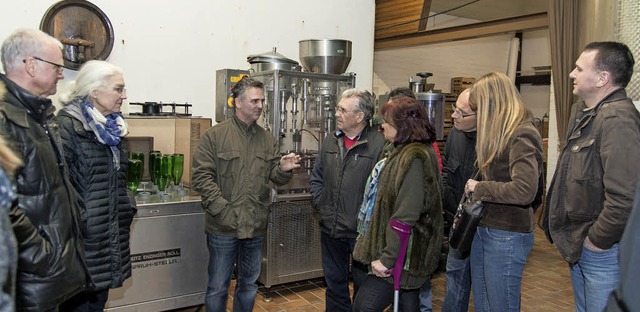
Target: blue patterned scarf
x=108 y=129
x=369 y=199
x=8 y=246
x=7 y=192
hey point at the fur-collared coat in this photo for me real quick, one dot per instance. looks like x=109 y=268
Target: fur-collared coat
x=409 y=190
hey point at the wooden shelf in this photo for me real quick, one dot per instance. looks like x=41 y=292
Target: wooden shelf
x=541 y=79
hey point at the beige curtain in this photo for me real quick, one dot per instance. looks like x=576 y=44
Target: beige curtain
x=628 y=29
x=563 y=20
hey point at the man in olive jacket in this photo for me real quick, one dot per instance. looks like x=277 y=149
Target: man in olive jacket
x=232 y=167
x=45 y=219
x=340 y=172
x=591 y=194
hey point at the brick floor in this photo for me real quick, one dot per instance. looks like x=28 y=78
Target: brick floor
x=546 y=286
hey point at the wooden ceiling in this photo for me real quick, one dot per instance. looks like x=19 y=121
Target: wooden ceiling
x=398 y=19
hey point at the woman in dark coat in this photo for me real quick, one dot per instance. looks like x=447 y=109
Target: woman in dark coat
x=405 y=186
x=92 y=128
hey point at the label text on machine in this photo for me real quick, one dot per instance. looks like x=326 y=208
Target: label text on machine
x=155 y=258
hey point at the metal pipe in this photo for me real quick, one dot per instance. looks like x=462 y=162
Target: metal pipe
x=283 y=111
x=294 y=108
x=304 y=97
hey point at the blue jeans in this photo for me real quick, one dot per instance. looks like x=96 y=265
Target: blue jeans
x=456 y=297
x=224 y=252
x=426 y=296
x=336 y=259
x=497 y=261
x=594 y=277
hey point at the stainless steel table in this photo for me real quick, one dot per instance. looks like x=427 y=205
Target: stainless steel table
x=169 y=257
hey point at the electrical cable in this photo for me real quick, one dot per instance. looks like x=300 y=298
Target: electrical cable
x=311 y=133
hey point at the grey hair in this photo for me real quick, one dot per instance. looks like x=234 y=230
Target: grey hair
x=23 y=43
x=245 y=83
x=365 y=101
x=93 y=75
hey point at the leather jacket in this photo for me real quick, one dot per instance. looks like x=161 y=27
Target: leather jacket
x=512 y=182
x=592 y=190
x=45 y=218
x=458 y=167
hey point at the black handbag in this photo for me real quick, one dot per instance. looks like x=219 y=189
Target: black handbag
x=465 y=224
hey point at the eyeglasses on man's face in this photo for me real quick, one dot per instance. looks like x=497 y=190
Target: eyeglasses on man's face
x=58 y=67
x=342 y=110
x=459 y=112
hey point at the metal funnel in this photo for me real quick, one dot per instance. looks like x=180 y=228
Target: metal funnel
x=325 y=56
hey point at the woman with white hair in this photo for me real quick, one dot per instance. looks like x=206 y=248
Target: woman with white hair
x=92 y=128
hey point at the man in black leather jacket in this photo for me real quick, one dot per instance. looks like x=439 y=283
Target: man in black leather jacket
x=44 y=218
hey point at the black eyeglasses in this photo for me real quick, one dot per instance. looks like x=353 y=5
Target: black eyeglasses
x=58 y=66
x=459 y=112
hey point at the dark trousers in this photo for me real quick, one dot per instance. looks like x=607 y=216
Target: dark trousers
x=91 y=301
x=336 y=260
x=376 y=294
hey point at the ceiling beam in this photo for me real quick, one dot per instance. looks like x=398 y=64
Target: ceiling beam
x=426 y=9
x=469 y=31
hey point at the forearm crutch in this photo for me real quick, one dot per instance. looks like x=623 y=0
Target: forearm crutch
x=404 y=231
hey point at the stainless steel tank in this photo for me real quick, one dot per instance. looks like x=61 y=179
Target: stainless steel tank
x=434 y=103
x=420 y=84
x=325 y=56
x=271 y=60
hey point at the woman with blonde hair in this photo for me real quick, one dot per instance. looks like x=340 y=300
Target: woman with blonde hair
x=509 y=150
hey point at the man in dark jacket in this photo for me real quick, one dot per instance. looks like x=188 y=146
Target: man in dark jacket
x=591 y=194
x=45 y=219
x=627 y=295
x=340 y=172
x=232 y=169
x=459 y=166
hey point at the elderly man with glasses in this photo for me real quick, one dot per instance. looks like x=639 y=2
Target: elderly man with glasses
x=340 y=172
x=45 y=218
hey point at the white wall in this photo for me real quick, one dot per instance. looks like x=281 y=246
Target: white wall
x=465 y=58
x=536 y=51
x=170 y=50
